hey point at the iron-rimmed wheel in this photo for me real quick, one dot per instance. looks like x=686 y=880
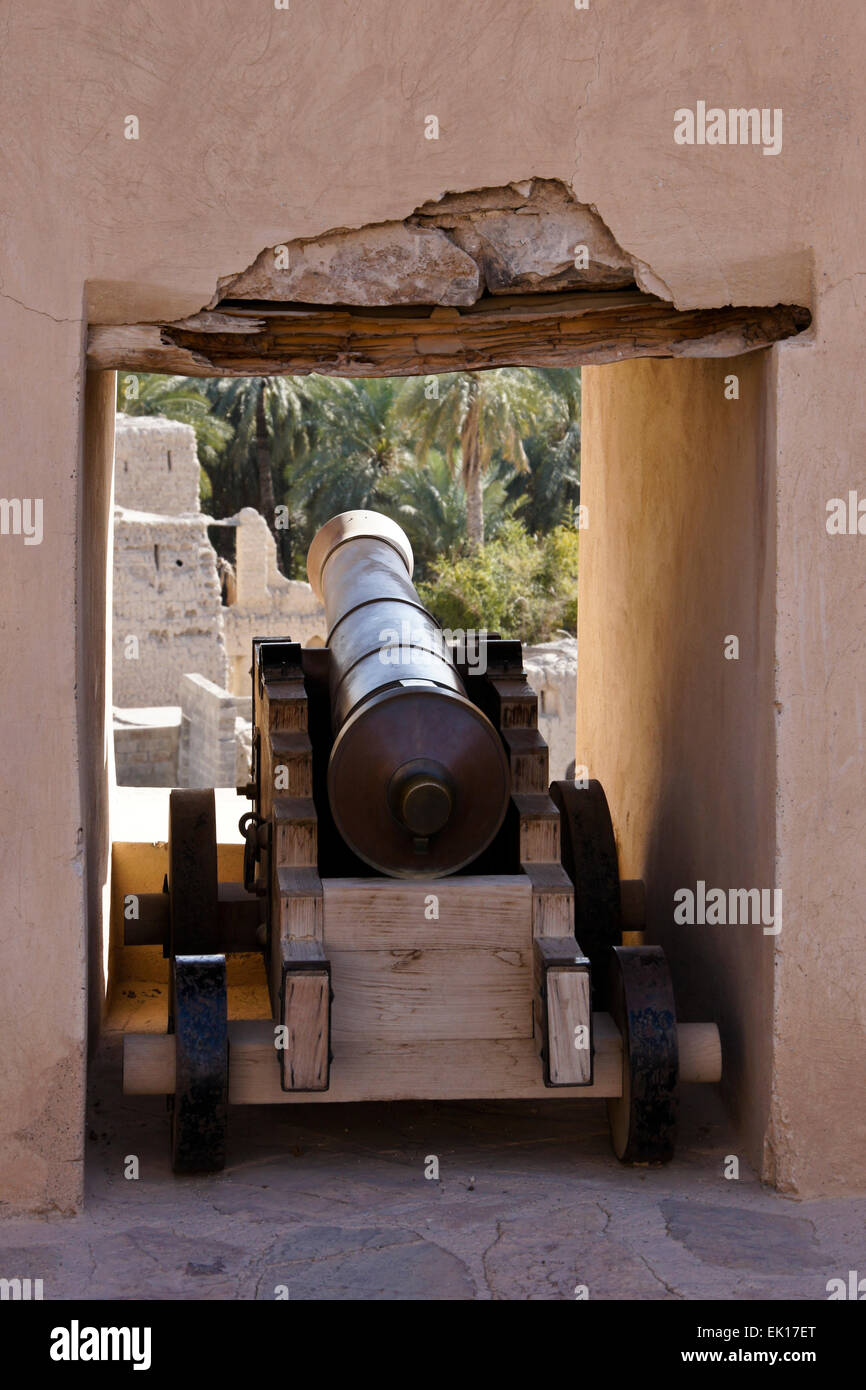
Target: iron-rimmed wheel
x=198 y=1010
x=589 y=857
x=200 y=1109
x=643 y=1120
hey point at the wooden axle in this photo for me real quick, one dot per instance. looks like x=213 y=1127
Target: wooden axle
x=479 y=1069
x=239 y=924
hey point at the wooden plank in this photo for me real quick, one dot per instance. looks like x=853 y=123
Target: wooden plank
x=300 y=1005
x=296 y=839
x=518 y=703
x=528 y=759
x=289 y=756
x=306 y=954
x=539 y=828
x=284 y=706
x=296 y=889
x=556 y=1003
x=557 y=952
x=300 y=904
x=303 y=1008
x=543 y=330
x=305 y=1058
x=569 y=1023
x=552 y=899
x=380 y=913
x=434 y=994
x=562 y=1005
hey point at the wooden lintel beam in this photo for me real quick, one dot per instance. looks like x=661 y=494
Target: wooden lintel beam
x=499 y=331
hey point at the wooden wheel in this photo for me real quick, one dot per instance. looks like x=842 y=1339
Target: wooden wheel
x=589 y=857
x=643 y=1119
x=198 y=1014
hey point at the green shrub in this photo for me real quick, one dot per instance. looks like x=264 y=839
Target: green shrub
x=520 y=586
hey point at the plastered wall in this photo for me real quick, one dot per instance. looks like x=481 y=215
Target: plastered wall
x=94 y=594
x=256 y=126
x=674 y=717
x=707 y=522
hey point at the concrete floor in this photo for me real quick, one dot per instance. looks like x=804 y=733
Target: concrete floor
x=331 y=1202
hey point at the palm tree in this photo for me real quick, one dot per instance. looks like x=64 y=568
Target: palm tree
x=429 y=503
x=272 y=423
x=358 y=444
x=549 y=491
x=477 y=415
x=269 y=415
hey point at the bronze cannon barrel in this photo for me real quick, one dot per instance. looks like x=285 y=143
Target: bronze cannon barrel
x=418 y=778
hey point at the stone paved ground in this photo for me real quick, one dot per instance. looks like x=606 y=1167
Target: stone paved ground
x=331 y=1202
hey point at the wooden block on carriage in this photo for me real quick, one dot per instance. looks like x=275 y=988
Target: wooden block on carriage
x=430 y=960
x=300 y=971
x=303 y=1038
x=563 y=1013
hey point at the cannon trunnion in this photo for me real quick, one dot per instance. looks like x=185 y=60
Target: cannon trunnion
x=434 y=919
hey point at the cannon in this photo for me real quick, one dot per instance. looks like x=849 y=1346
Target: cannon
x=418 y=779
x=434 y=919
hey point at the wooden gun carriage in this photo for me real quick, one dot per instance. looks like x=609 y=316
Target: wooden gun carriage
x=436 y=921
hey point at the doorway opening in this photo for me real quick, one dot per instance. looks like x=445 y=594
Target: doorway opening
x=549 y=321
